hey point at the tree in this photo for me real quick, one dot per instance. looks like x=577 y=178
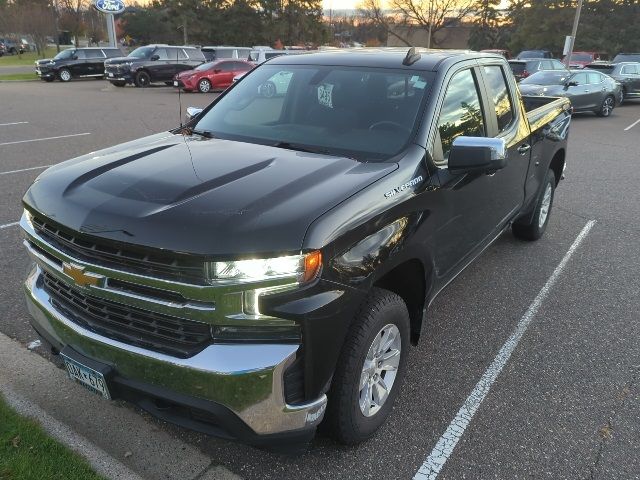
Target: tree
x=31 y=17
x=71 y=17
x=490 y=29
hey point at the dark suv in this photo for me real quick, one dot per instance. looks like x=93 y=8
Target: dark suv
x=626 y=73
x=74 y=63
x=523 y=68
x=153 y=63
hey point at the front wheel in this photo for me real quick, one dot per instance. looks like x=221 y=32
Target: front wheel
x=204 y=85
x=536 y=226
x=370 y=368
x=607 y=106
x=142 y=79
x=64 y=75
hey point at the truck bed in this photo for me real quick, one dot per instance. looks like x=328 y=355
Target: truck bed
x=541 y=110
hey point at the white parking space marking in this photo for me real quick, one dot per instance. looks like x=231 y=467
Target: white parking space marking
x=449 y=439
x=7 y=225
x=632 y=125
x=25 y=169
x=47 y=138
x=12 y=123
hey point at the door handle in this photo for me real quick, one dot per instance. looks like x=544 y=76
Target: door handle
x=524 y=148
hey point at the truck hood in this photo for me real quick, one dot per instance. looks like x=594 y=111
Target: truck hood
x=120 y=60
x=44 y=61
x=211 y=197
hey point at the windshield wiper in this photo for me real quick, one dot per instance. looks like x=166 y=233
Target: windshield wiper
x=301 y=148
x=203 y=133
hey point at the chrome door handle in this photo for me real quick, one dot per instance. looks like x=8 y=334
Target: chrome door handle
x=524 y=148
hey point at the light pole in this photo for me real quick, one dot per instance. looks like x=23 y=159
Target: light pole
x=574 y=31
x=430 y=22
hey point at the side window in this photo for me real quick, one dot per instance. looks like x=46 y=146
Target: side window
x=162 y=54
x=241 y=66
x=226 y=66
x=80 y=54
x=94 y=53
x=499 y=91
x=629 y=70
x=580 y=78
x=595 y=78
x=546 y=65
x=557 y=65
x=461 y=112
x=181 y=54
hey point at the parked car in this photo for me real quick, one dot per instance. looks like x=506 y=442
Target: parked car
x=152 y=63
x=581 y=59
x=505 y=53
x=626 y=73
x=277 y=266
x=526 y=54
x=220 y=52
x=2 y=49
x=523 y=68
x=626 y=57
x=588 y=90
x=75 y=63
x=211 y=76
x=26 y=45
x=10 y=47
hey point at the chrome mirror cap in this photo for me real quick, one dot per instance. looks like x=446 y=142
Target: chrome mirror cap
x=497 y=146
x=192 y=112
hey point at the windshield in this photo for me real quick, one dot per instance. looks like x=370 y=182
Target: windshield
x=65 y=54
x=364 y=113
x=531 y=54
x=581 y=57
x=142 y=52
x=205 y=66
x=547 y=77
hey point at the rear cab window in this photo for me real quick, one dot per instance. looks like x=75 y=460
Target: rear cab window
x=499 y=93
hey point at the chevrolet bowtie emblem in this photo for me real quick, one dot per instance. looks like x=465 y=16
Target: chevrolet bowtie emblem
x=80 y=277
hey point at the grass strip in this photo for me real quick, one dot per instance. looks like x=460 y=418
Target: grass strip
x=28 y=453
x=19 y=76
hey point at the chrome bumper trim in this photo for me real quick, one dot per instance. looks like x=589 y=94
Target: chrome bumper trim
x=247 y=379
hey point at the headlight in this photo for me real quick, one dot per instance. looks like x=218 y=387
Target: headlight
x=298 y=268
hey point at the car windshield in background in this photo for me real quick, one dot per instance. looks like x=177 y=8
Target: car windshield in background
x=608 y=69
x=518 y=67
x=64 y=55
x=365 y=113
x=531 y=54
x=142 y=52
x=548 y=77
x=581 y=57
x=205 y=66
x=627 y=57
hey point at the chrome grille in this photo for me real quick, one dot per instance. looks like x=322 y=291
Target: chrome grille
x=154 y=331
x=170 y=266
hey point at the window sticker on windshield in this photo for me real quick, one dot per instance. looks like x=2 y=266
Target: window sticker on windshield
x=325 y=95
x=419 y=84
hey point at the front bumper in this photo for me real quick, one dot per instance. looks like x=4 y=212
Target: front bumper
x=239 y=387
x=117 y=75
x=45 y=72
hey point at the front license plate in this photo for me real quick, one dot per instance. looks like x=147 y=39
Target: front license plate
x=175 y=83
x=87 y=377
x=110 y=74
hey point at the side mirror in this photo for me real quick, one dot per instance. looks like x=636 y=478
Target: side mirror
x=216 y=70
x=571 y=84
x=477 y=155
x=192 y=112
x=154 y=57
x=74 y=57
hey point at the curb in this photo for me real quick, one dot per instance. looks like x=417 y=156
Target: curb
x=117 y=441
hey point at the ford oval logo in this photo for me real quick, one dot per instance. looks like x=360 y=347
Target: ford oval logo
x=109 y=6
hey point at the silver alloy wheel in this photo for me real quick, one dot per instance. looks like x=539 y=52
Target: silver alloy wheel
x=379 y=370
x=544 y=207
x=607 y=106
x=204 y=86
x=65 y=75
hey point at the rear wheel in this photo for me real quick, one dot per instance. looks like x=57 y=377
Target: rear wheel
x=204 y=85
x=370 y=368
x=142 y=79
x=64 y=75
x=607 y=106
x=535 y=227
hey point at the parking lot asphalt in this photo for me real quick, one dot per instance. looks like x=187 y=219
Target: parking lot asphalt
x=566 y=404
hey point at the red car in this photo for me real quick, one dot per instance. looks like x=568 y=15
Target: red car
x=582 y=59
x=211 y=76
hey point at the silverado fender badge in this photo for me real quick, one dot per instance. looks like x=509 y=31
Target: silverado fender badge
x=401 y=188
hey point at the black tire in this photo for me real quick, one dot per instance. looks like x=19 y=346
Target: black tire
x=608 y=104
x=142 y=79
x=118 y=84
x=204 y=85
x=64 y=75
x=344 y=420
x=534 y=229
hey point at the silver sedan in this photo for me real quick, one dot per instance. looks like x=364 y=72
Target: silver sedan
x=588 y=90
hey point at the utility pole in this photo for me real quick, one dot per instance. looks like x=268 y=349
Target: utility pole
x=430 y=22
x=574 y=31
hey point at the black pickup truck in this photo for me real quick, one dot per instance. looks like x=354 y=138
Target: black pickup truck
x=266 y=266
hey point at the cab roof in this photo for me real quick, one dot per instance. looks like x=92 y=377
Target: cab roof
x=390 y=57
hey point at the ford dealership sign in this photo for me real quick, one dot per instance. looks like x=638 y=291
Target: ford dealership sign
x=109 y=6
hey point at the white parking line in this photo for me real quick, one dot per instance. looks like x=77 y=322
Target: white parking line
x=43 y=139
x=632 y=125
x=25 y=169
x=449 y=439
x=7 y=225
x=13 y=123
